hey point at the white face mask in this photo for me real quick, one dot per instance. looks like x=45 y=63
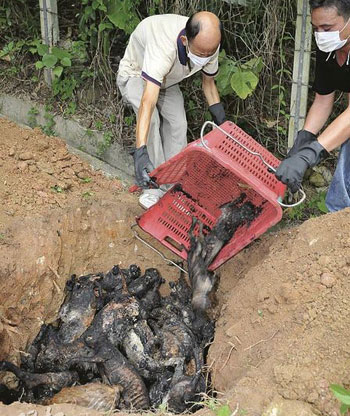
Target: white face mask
x=330 y=41
x=198 y=60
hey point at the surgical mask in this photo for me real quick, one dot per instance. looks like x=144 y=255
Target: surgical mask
x=330 y=41
x=198 y=60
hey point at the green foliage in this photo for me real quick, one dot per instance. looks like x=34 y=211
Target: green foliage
x=122 y=14
x=32 y=114
x=86 y=180
x=48 y=127
x=237 y=77
x=310 y=208
x=217 y=407
x=57 y=189
x=129 y=120
x=343 y=396
x=87 y=194
x=105 y=143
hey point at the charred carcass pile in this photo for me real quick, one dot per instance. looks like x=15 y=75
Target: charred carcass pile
x=118 y=344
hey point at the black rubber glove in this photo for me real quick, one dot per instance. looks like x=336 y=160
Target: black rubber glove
x=304 y=137
x=218 y=113
x=292 y=169
x=143 y=166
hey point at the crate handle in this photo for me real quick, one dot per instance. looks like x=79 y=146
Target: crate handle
x=137 y=236
x=270 y=168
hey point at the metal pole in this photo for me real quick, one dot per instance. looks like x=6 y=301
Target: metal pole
x=49 y=29
x=301 y=69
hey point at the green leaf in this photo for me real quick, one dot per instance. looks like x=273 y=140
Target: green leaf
x=344 y=408
x=60 y=53
x=103 y=26
x=223 y=410
x=244 y=83
x=66 y=62
x=340 y=393
x=57 y=71
x=123 y=15
x=42 y=49
x=95 y=4
x=49 y=60
x=39 y=65
x=255 y=64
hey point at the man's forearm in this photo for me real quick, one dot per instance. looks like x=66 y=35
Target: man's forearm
x=337 y=132
x=319 y=113
x=143 y=123
x=210 y=91
x=148 y=102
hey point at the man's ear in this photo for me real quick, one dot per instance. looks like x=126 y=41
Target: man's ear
x=184 y=40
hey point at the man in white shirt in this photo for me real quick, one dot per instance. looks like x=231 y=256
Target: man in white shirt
x=162 y=51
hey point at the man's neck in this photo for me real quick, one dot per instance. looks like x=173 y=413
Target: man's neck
x=342 y=54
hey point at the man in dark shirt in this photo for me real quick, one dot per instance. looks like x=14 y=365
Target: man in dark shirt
x=331 y=22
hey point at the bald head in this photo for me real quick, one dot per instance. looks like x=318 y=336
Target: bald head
x=203 y=33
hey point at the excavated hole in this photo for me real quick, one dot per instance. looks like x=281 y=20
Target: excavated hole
x=120 y=344
x=117 y=343
x=86 y=317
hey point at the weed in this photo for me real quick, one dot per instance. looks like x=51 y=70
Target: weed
x=217 y=406
x=343 y=396
x=129 y=120
x=70 y=109
x=86 y=180
x=105 y=143
x=240 y=78
x=87 y=194
x=48 y=127
x=315 y=206
x=32 y=115
x=57 y=189
x=89 y=133
x=99 y=125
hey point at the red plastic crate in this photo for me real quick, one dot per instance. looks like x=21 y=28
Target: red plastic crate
x=210 y=178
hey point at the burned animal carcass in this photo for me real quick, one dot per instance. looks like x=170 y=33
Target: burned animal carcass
x=204 y=248
x=117 y=344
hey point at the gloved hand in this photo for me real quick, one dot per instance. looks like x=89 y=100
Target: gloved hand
x=292 y=169
x=304 y=137
x=143 y=166
x=218 y=113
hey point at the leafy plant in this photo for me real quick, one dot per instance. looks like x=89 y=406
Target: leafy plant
x=240 y=78
x=32 y=114
x=343 y=395
x=86 y=180
x=217 y=406
x=48 y=128
x=122 y=14
x=57 y=189
x=314 y=206
x=87 y=194
x=105 y=143
x=56 y=58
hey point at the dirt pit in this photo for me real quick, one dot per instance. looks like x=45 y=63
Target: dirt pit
x=282 y=335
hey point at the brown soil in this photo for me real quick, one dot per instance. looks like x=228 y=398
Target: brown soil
x=281 y=337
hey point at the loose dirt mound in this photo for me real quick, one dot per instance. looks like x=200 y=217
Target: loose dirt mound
x=284 y=323
x=282 y=336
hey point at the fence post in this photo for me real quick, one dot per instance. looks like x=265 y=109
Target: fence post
x=49 y=29
x=301 y=69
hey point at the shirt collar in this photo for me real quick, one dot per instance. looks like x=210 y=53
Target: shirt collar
x=181 y=48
